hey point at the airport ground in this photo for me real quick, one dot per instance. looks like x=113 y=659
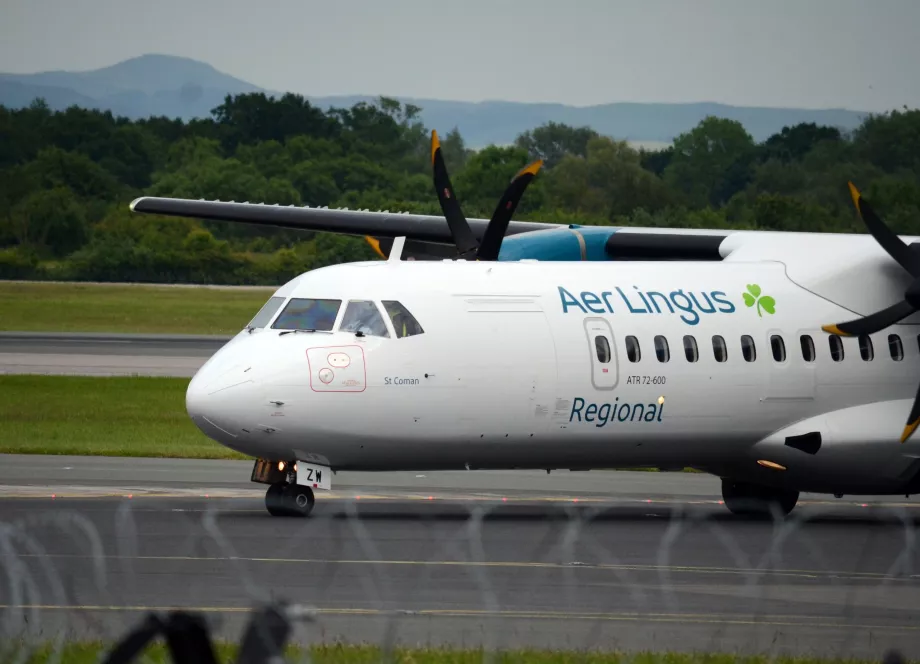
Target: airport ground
x=626 y=561
x=617 y=561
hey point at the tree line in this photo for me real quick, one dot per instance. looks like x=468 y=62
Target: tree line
x=66 y=179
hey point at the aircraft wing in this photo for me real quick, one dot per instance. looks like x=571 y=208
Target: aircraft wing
x=385 y=224
x=428 y=237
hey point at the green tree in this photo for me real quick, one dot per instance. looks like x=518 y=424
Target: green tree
x=253 y=117
x=712 y=162
x=609 y=182
x=53 y=220
x=54 y=167
x=656 y=161
x=456 y=154
x=793 y=143
x=891 y=141
x=553 y=141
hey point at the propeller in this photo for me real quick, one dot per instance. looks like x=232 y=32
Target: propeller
x=907 y=258
x=467 y=246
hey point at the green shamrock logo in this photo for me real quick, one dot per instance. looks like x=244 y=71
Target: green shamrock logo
x=753 y=297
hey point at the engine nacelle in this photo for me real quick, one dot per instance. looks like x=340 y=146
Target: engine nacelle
x=568 y=243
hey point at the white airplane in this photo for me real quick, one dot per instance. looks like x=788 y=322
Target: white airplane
x=575 y=348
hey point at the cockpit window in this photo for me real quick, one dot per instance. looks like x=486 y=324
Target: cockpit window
x=265 y=313
x=308 y=314
x=364 y=316
x=403 y=322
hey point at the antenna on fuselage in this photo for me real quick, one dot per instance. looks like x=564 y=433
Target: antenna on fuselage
x=397 y=249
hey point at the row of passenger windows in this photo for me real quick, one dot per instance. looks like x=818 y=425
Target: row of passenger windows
x=319 y=316
x=749 y=348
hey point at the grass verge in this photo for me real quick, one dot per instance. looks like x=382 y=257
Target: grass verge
x=91 y=653
x=74 y=307
x=116 y=416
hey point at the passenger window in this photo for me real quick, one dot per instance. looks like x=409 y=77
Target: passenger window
x=308 y=314
x=690 y=349
x=403 y=322
x=265 y=314
x=836 y=345
x=895 y=347
x=662 y=350
x=808 y=348
x=719 y=348
x=363 y=316
x=632 y=349
x=866 y=351
x=748 y=351
x=602 y=348
x=779 y=348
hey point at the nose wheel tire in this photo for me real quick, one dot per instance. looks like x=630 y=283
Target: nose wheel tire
x=289 y=500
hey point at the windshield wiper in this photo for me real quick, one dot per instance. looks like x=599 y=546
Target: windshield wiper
x=297 y=330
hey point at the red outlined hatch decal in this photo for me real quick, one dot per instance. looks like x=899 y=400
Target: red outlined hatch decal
x=337 y=369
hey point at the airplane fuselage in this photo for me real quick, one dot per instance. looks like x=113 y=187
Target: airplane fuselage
x=719 y=366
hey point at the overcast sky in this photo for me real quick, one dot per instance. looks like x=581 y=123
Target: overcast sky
x=857 y=54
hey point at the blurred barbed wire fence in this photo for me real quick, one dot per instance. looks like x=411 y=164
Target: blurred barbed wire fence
x=829 y=581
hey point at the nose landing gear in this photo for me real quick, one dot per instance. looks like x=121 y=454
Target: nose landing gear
x=283 y=499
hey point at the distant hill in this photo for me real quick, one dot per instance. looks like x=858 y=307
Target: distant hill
x=181 y=87
x=136 y=88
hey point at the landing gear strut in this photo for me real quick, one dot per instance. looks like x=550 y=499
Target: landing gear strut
x=757 y=500
x=283 y=499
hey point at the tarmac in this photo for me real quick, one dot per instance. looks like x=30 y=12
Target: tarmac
x=98 y=354
x=505 y=559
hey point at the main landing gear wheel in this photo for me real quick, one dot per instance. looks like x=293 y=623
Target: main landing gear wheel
x=283 y=499
x=756 y=500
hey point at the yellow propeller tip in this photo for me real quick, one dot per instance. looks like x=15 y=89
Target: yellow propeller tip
x=435 y=144
x=908 y=430
x=854 y=194
x=533 y=168
x=375 y=245
x=833 y=329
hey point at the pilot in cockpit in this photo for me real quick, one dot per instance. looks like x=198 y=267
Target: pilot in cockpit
x=403 y=322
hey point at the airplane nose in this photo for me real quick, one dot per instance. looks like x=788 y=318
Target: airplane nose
x=215 y=401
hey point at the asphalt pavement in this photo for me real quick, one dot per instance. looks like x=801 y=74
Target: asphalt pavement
x=100 y=354
x=632 y=561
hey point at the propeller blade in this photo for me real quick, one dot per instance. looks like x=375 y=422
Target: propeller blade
x=873 y=322
x=459 y=228
x=375 y=245
x=498 y=224
x=913 y=419
x=883 y=235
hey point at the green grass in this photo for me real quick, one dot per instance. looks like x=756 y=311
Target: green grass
x=101 y=416
x=91 y=653
x=72 y=307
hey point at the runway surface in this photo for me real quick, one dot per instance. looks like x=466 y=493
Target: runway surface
x=105 y=354
x=634 y=561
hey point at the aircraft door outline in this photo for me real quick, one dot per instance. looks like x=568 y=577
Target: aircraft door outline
x=791 y=380
x=604 y=375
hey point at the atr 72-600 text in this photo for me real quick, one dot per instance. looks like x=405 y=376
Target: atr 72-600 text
x=645 y=380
